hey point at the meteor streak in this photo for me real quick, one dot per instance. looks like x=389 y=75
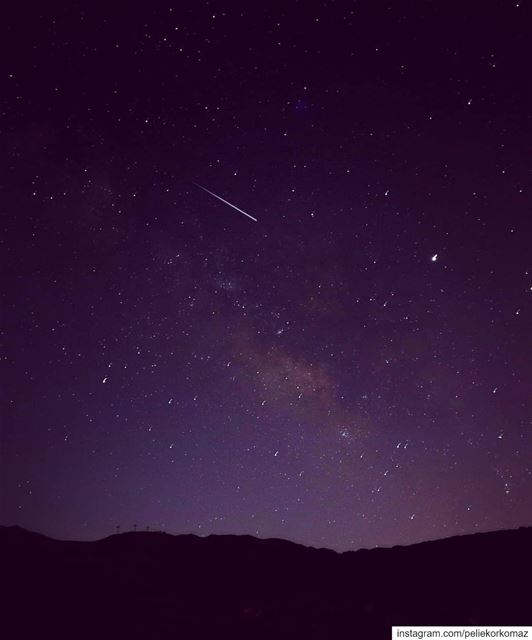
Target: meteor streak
x=225 y=202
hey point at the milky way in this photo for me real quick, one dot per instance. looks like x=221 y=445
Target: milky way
x=354 y=369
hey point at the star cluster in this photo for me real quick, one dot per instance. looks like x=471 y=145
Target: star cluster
x=353 y=369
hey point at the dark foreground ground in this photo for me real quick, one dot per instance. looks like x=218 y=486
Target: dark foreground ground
x=154 y=585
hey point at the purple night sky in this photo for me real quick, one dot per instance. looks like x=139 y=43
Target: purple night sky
x=352 y=369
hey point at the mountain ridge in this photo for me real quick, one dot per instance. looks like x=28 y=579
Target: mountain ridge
x=244 y=536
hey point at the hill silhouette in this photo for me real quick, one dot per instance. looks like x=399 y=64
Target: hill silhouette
x=155 y=585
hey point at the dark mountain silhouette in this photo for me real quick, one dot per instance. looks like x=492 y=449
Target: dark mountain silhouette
x=155 y=585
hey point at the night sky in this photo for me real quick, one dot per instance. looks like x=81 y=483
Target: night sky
x=351 y=369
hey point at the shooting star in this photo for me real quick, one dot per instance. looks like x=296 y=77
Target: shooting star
x=225 y=201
